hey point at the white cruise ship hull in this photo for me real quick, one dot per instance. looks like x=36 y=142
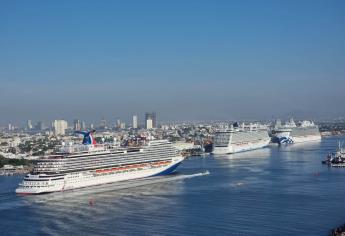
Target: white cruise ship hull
x=298 y=139
x=305 y=132
x=235 y=148
x=303 y=139
x=88 y=179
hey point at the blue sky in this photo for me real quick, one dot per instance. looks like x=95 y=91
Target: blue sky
x=186 y=60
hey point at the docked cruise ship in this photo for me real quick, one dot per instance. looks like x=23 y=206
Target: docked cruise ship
x=240 y=139
x=78 y=166
x=305 y=131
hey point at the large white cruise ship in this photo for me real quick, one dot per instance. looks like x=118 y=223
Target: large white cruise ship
x=305 y=131
x=240 y=139
x=79 y=166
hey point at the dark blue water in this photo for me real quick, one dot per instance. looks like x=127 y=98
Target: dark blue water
x=273 y=191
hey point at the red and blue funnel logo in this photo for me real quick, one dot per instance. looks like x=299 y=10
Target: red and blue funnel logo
x=88 y=137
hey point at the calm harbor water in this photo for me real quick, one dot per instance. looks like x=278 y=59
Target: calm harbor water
x=272 y=191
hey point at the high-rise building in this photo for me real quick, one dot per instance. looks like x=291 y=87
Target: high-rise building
x=135 y=122
x=83 y=125
x=151 y=116
x=29 y=124
x=40 y=126
x=149 y=123
x=77 y=124
x=123 y=125
x=59 y=127
x=118 y=123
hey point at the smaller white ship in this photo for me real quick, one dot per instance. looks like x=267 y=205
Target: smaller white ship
x=240 y=139
x=305 y=131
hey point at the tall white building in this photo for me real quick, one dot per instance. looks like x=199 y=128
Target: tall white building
x=118 y=123
x=29 y=124
x=153 y=117
x=59 y=127
x=149 y=124
x=123 y=125
x=77 y=125
x=135 y=122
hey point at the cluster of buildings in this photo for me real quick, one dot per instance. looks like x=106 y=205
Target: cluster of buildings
x=30 y=144
x=37 y=139
x=150 y=122
x=334 y=127
x=62 y=127
x=13 y=170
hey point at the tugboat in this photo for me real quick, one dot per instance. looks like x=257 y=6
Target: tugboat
x=336 y=159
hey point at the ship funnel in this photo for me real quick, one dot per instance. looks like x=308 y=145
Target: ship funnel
x=88 y=137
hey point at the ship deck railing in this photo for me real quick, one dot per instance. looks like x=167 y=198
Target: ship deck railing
x=81 y=148
x=94 y=148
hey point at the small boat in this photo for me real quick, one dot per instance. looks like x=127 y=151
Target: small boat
x=336 y=159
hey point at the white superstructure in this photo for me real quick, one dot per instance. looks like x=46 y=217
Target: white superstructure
x=241 y=139
x=81 y=166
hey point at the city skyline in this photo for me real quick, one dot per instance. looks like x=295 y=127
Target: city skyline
x=113 y=121
x=135 y=121
x=198 y=60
